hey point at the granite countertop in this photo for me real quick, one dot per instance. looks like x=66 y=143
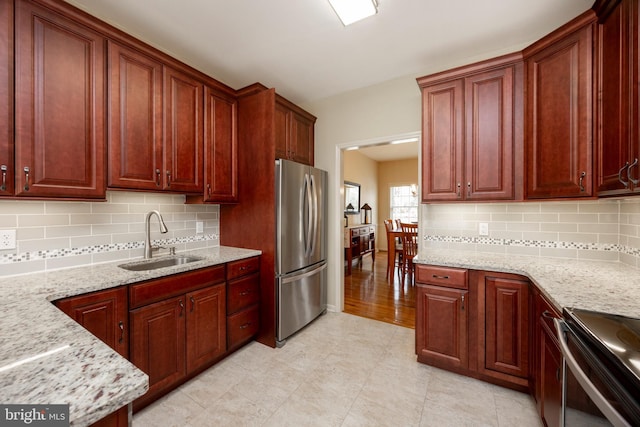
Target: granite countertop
x=610 y=287
x=47 y=358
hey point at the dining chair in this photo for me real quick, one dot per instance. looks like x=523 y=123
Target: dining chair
x=410 y=249
x=391 y=240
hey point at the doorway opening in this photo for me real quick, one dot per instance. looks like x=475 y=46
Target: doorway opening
x=378 y=166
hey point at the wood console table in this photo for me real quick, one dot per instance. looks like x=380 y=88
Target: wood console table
x=359 y=240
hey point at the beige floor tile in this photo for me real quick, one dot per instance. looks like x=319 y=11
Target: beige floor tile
x=341 y=370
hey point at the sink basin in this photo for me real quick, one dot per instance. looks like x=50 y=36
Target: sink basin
x=154 y=264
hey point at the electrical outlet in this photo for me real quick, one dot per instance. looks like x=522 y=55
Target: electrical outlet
x=7 y=239
x=483 y=229
x=199 y=227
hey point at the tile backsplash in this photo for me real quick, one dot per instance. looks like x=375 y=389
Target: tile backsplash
x=604 y=229
x=58 y=234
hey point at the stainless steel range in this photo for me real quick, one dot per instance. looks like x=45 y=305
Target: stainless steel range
x=601 y=368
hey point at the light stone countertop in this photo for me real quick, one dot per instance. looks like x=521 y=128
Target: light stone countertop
x=610 y=287
x=47 y=358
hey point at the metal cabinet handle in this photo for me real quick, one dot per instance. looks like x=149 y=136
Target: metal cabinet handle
x=26 y=178
x=625 y=183
x=582 y=175
x=462 y=302
x=547 y=315
x=209 y=190
x=469 y=189
x=157 y=177
x=458 y=191
x=245 y=326
x=121 y=326
x=245 y=293
x=181 y=304
x=193 y=303
x=3 y=168
x=633 y=181
x=168 y=178
x=436 y=276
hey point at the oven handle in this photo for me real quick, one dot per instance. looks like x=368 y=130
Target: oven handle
x=601 y=402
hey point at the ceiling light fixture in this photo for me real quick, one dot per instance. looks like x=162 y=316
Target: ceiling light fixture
x=403 y=141
x=350 y=11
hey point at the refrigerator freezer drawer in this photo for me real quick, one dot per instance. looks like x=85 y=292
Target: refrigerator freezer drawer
x=301 y=298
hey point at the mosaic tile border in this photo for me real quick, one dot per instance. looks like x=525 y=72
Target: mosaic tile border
x=607 y=247
x=113 y=247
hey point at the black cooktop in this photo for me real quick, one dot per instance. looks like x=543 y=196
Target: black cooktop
x=616 y=337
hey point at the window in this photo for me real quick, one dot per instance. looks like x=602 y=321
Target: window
x=404 y=203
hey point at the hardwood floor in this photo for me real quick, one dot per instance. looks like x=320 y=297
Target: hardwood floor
x=368 y=293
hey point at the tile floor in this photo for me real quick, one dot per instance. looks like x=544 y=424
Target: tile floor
x=342 y=370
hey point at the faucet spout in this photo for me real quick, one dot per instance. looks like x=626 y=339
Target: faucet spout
x=148 y=249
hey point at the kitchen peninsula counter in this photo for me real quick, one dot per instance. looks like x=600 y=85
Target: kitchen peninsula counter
x=611 y=287
x=47 y=358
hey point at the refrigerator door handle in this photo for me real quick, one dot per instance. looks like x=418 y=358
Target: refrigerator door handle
x=314 y=240
x=294 y=278
x=309 y=223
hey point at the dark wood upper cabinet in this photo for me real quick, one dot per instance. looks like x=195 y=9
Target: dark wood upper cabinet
x=59 y=105
x=135 y=120
x=294 y=132
x=559 y=112
x=472 y=131
x=183 y=149
x=6 y=98
x=221 y=148
x=618 y=143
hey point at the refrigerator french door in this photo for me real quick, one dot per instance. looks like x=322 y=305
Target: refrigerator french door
x=301 y=279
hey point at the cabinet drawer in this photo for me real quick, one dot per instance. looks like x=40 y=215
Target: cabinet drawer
x=443 y=276
x=242 y=326
x=177 y=284
x=242 y=293
x=242 y=267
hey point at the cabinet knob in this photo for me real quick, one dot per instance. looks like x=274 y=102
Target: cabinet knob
x=582 y=175
x=157 y=177
x=462 y=307
x=458 y=191
x=193 y=303
x=632 y=165
x=168 y=178
x=181 y=304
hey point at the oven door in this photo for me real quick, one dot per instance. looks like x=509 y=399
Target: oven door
x=592 y=395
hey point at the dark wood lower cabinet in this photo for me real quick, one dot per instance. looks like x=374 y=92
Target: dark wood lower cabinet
x=475 y=323
x=158 y=345
x=442 y=326
x=503 y=326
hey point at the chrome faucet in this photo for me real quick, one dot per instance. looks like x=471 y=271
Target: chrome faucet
x=148 y=249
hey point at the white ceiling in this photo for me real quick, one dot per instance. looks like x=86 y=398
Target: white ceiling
x=301 y=48
x=388 y=152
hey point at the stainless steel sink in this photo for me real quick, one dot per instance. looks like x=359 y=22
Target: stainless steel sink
x=154 y=264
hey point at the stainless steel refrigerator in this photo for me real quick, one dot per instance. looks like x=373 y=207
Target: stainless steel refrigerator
x=301 y=248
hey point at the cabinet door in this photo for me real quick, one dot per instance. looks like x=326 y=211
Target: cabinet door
x=282 y=118
x=551 y=380
x=206 y=326
x=614 y=132
x=489 y=135
x=158 y=344
x=135 y=120
x=183 y=145
x=302 y=143
x=221 y=148
x=559 y=117
x=442 y=141
x=104 y=314
x=59 y=106
x=442 y=326
x=6 y=98
x=506 y=325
